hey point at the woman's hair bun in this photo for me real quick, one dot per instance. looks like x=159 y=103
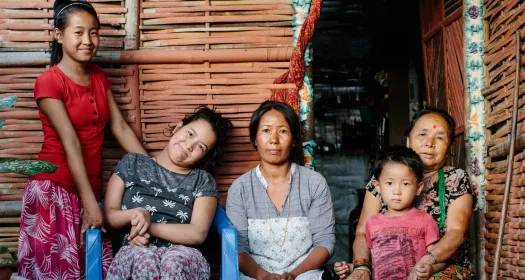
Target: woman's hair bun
x=59 y=4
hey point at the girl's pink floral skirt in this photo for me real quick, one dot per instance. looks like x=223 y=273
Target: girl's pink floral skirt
x=49 y=242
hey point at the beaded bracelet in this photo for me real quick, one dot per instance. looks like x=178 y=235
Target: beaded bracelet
x=433 y=257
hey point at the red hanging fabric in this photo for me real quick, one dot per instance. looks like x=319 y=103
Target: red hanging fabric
x=295 y=73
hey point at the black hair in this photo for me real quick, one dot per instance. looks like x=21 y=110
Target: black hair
x=221 y=127
x=401 y=155
x=62 y=9
x=289 y=115
x=442 y=113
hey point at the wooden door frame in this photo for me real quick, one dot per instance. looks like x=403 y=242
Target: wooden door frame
x=441 y=26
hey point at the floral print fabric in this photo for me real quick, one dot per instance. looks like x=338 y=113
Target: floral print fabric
x=452 y=272
x=159 y=263
x=167 y=195
x=49 y=242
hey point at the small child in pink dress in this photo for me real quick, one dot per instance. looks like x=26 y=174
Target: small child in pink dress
x=402 y=234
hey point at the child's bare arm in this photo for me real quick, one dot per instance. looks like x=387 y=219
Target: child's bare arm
x=193 y=233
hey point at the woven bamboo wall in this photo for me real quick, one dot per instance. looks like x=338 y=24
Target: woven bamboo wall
x=503 y=18
x=169 y=92
x=28 y=25
x=153 y=96
x=208 y=24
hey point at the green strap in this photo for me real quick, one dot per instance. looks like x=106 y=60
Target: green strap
x=442 y=188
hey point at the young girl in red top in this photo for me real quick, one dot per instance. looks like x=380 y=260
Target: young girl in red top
x=75 y=104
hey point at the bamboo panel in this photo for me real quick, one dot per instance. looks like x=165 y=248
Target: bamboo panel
x=169 y=92
x=503 y=19
x=197 y=25
x=9 y=228
x=21 y=137
x=125 y=92
x=28 y=25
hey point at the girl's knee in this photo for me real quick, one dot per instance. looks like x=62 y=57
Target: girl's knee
x=143 y=255
x=125 y=250
x=181 y=260
x=172 y=258
x=137 y=256
x=182 y=253
x=145 y=264
x=136 y=263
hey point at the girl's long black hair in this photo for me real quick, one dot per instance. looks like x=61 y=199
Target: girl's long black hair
x=62 y=10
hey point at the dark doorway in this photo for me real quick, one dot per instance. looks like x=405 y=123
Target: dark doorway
x=368 y=81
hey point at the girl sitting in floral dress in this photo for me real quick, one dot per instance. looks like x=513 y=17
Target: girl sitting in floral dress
x=167 y=203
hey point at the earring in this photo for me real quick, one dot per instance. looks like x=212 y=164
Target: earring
x=58 y=41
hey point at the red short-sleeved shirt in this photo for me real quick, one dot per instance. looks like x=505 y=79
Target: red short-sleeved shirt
x=88 y=111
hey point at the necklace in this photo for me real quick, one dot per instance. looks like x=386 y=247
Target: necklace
x=155 y=159
x=289 y=197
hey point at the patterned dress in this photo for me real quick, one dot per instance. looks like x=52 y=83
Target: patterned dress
x=169 y=198
x=458 y=184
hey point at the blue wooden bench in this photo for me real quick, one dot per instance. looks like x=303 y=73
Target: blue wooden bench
x=221 y=223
